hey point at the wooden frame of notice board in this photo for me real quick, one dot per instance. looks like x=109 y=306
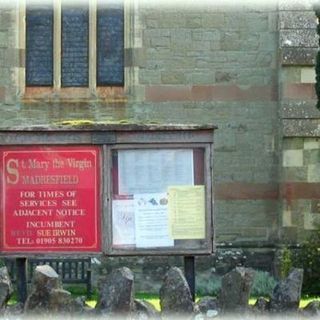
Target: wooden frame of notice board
x=155 y=178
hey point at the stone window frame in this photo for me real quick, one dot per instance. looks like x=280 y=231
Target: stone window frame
x=92 y=92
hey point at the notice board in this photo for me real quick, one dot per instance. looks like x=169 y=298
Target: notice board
x=159 y=199
x=50 y=199
x=113 y=190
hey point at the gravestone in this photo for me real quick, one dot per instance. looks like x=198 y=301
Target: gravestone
x=235 y=289
x=5 y=287
x=175 y=295
x=116 y=293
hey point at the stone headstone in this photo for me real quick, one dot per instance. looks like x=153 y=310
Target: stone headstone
x=287 y=293
x=207 y=303
x=235 y=290
x=5 y=287
x=312 y=309
x=61 y=301
x=261 y=305
x=175 y=295
x=145 y=310
x=116 y=293
x=45 y=279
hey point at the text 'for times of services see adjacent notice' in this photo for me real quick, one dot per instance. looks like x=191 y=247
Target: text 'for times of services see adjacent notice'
x=50 y=199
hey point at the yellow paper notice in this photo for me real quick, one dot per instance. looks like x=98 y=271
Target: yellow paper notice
x=186 y=206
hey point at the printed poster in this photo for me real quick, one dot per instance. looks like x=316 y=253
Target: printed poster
x=152 y=171
x=123 y=222
x=186 y=206
x=151 y=220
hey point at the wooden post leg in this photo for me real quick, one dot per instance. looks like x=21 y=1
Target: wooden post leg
x=189 y=271
x=21 y=264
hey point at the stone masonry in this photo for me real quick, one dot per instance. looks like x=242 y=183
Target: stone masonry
x=248 y=70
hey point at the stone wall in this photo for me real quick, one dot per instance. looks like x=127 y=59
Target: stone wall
x=300 y=121
x=9 y=62
x=301 y=173
x=202 y=64
x=249 y=70
x=210 y=64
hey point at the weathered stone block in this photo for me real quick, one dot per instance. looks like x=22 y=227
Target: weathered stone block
x=303 y=127
x=213 y=20
x=286 y=295
x=294 y=174
x=300 y=109
x=202 y=77
x=116 y=293
x=230 y=41
x=267 y=41
x=175 y=295
x=311 y=143
x=226 y=144
x=135 y=57
x=12 y=57
x=205 y=35
x=160 y=41
x=311 y=220
x=289 y=234
x=257 y=233
x=6 y=20
x=311 y=157
x=193 y=21
x=265 y=59
x=314 y=173
x=292 y=158
x=291 y=74
x=292 y=143
x=3 y=39
x=62 y=302
x=295 y=5
x=149 y=76
x=173 y=77
x=6 y=288
x=297 y=20
x=207 y=303
x=182 y=37
x=299 y=38
x=308 y=75
x=298 y=56
x=257 y=21
x=235 y=290
x=286 y=218
x=45 y=279
x=315 y=206
x=297 y=219
x=225 y=76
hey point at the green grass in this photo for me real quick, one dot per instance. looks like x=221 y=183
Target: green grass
x=304 y=301
x=151 y=298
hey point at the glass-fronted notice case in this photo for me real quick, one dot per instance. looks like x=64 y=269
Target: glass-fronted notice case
x=119 y=190
x=158 y=198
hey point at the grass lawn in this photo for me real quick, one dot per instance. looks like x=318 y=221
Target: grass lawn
x=152 y=298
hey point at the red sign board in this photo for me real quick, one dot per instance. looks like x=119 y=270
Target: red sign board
x=49 y=199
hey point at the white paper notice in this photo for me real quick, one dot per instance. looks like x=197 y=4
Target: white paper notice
x=151 y=220
x=123 y=222
x=153 y=171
